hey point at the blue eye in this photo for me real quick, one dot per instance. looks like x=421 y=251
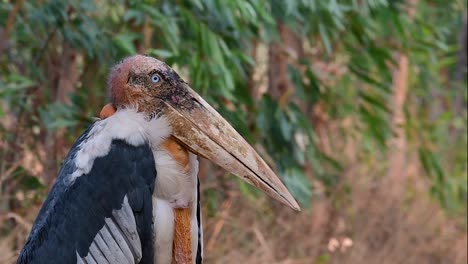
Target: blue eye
x=155 y=78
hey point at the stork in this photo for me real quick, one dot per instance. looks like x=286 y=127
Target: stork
x=115 y=197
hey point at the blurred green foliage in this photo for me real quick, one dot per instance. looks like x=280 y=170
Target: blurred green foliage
x=210 y=43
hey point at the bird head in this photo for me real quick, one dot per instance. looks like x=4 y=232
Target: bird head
x=152 y=87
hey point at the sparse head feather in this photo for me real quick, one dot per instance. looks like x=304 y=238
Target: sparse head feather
x=132 y=85
x=120 y=94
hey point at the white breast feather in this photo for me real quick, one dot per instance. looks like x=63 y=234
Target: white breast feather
x=125 y=124
x=163 y=215
x=172 y=184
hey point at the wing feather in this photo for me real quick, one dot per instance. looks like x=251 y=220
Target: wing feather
x=115 y=252
x=120 y=240
x=104 y=216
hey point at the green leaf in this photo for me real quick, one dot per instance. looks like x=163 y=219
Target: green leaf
x=15 y=83
x=31 y=183
x=325 y=39
x=125 y=42
x=298 y=185
x=160 y=53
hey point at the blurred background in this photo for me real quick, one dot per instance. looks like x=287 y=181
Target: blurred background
x=359 y=105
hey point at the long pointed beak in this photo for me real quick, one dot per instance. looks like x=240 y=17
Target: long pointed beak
x=205 y=132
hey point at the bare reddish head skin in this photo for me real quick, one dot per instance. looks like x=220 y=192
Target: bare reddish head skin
x=121 y=92
x=117 y=82
x=130 y=84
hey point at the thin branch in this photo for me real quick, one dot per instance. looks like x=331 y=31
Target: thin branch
x=225 y=207
x=20 y=220
x=44 y=46
x=9 y=171
x=11 y=19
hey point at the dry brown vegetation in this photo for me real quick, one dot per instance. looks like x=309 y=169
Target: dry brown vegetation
x=369 y=224
x=383 y=228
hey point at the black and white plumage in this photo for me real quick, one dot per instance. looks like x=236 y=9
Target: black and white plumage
x=105 y=213
x=115 y=196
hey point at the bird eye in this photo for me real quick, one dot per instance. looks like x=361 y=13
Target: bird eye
x=155 y=78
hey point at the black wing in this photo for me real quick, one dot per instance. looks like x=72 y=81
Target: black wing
x=101 y=217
